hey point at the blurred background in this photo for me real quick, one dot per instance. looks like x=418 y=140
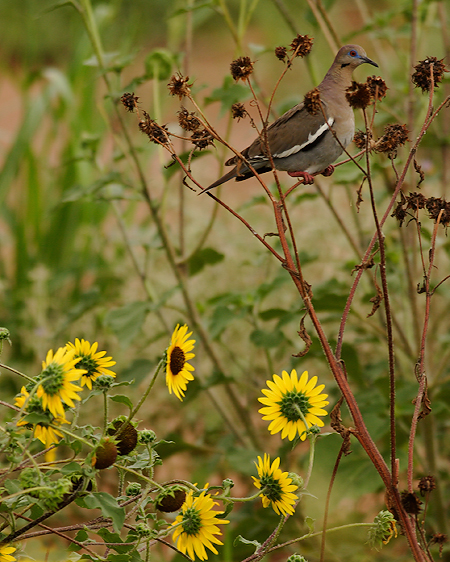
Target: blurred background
x=81 y=255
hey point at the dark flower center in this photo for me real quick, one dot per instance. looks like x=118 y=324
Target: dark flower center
x=177 y=360
x=271 y=488
x=53 y=378
x=87 y=363
x=292 y=404
x=192 y=522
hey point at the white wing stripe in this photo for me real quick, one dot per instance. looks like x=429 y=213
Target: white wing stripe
x=311 y=139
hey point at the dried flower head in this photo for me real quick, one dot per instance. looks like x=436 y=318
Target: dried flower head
x=281 y=53
x=156 y=133
x=440 y=539
x=411 y=502
x=377 y=87
x=360 y=139
x=238 y=111
x=129 y=101
x=312 y=101
x=241 y=68
x=416 y=201
x=302 y=45
x=394 y=136
x=422 y=75
x=426 y=484
x=400 y=212
x=202 y=139
x=434 y=206
x=188 y=120
x=178 y=85
x=358 y=95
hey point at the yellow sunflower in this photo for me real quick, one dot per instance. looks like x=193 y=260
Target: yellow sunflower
x=56 y=381
x=5 y=553
x=92 y=361
x=41 y=430
x=177 y=356
x=276 y=486
x=290 y=401
x=196 y=526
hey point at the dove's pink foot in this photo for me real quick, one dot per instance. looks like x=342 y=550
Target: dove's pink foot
x=308 y=179
x=328 y=171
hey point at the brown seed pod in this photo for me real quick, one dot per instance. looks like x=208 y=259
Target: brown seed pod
x=129 y=101
x=126 y=441
x=358 y=95
x=302 y=45
x=422 y=75
x=178 y=85
x=105 y=455
x=171 y=499
x=241 y=68
x=312 y=101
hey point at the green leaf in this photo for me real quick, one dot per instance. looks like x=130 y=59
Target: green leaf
x=36 y=418
x=129 y=557
x=203 y=257
x=272 y=313
x=70 y=468
x=262 y=338
x=81 y=536
x=126 y=322
x=240 y=538
x=122 y=399
x=109 y=537
x=108 y=506
x=330 y=296
x=159 y=64
x=310 y=523
x=180 y=11
x=220 y=319
x=229 y=93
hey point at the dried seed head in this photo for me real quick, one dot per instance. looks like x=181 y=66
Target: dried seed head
x=302 y=45
x=178 y=85
x=400 y=212
x=281 y=53
x=241 y=68
x=238 y=111
x=411 y=502
x=188 y=120
x=426 y=484
x=434 y=206
x=360 y=139
x=358 y=95
x=312 y=101
x=202 y=139
x=129 y=101
x=394 y=136
x=440 y=539
x=377 y=87
x=416 y=201
x=156 y=133
x=422 y=75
